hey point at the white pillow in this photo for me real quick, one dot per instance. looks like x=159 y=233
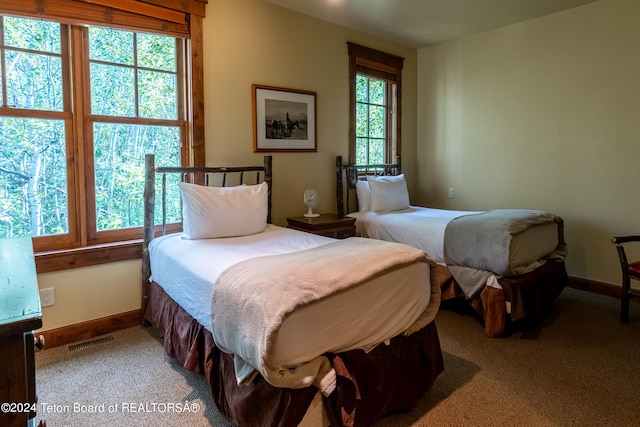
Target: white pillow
x=212 y=212
x=364 y=195
x=388 y=193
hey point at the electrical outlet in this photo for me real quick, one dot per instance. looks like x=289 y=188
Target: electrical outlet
x=46 y=297
x=451 y=192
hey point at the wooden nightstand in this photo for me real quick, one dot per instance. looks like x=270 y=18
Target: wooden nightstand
x=325 y=225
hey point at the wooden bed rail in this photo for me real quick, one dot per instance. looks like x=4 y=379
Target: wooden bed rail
x=353 y=173
x=196 y=175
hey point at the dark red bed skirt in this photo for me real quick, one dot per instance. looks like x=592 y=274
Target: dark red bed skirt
x=388 y=379
x=530 y=295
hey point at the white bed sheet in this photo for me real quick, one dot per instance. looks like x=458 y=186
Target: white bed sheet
x=420 y=227
x=187 y=269
x=360 y=317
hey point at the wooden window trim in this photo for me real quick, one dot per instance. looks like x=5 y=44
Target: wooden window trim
x=142 y=8
x=47 y=258
x=74 y=12
x=192 y=7
x=66 y=259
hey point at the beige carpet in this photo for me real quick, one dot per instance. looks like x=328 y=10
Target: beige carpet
x=579 y=368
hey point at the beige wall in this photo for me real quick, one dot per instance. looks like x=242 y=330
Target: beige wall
x=544 y=115
x=250 y=41
x=246 y=42
x=89 y=293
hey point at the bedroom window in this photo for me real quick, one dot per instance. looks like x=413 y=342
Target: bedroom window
x=33 y=144
x=374 y=131
x=82 y=103
x=134 y=92
x=371 y=120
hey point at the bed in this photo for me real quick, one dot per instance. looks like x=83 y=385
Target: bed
x=508 y=264
x=284 y=328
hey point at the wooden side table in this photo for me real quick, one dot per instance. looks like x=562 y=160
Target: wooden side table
x=325 y=225
x=20 y=314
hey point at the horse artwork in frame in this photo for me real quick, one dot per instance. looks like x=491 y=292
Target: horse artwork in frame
x=283 y=119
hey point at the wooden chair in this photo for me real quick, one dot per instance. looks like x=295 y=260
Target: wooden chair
x=629 y=271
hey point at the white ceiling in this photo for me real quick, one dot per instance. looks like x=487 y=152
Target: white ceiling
x=421 y=23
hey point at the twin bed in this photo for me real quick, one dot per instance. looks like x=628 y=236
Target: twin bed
x=289 y=328
x=508 y=263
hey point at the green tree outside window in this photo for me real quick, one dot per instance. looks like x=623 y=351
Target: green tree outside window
x=371 y=113
x=134 y=110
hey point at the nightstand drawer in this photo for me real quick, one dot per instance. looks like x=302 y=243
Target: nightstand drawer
x=325 y=225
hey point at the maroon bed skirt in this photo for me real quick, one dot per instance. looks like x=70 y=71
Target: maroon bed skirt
x=388 y=379
x=530 y=295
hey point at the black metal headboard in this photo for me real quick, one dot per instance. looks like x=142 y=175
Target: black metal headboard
x=348 y=175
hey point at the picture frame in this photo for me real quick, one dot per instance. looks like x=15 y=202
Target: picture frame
x=283 y=119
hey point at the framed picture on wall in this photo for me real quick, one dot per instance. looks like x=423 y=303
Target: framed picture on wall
x=283 y=119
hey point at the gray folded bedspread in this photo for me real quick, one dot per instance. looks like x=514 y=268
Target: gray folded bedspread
x=483 y=242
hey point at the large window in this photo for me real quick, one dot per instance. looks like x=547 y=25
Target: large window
x=82 y=104
x=133 y=84
x=375 y=106
x=33 y=175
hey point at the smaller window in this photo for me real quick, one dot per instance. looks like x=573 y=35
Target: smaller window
x=375 y=105
x=371 y=120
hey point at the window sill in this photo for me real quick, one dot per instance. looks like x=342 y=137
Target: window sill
x=66 y=259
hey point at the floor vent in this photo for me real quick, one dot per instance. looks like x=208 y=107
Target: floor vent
x=89 y=343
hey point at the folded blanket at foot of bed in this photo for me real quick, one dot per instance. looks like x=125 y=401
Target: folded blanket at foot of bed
x=252 y=299
x=479 y=247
